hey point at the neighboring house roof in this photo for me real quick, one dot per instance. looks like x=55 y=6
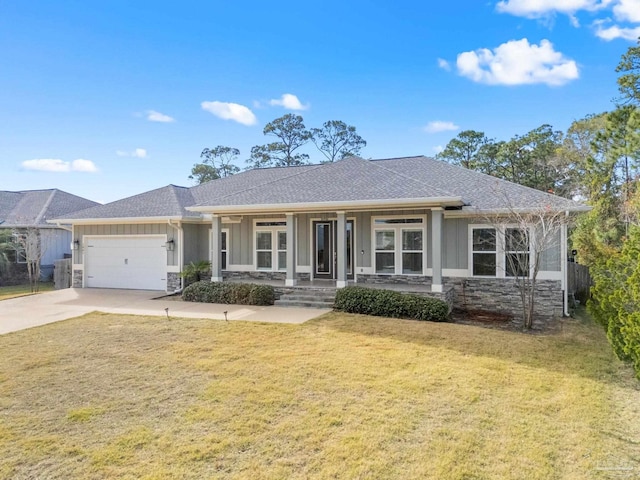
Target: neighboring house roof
x=32 y=208
x=417 y=180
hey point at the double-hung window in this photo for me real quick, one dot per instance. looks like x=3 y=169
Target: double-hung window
x=500 y=252
x=271 y=245
x=516 y=252
x=484 y=252
x=399 y=245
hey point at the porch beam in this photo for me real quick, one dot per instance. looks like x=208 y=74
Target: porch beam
x=341 y=250
x=291 y=250
x=216 y=248
x=436 y=248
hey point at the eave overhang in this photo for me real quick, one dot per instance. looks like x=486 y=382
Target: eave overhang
x=313 y=207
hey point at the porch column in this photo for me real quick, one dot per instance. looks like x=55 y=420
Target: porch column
x=216 y=252
x=341 y=250
x=291 y=250
x=436 y=249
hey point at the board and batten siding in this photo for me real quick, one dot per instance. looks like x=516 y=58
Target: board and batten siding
x=128 y=229
x=55 y=243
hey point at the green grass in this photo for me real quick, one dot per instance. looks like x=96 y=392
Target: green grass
x=343 y=396
x=14 y=291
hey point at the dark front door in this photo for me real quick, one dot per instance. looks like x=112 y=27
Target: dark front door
x=325 y=241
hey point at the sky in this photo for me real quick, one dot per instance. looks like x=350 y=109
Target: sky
x=107 y=99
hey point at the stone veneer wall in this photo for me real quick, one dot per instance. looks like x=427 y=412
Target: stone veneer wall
x=173 y=281
x=502 y=295
x=248 y=276
x=77 y=279
x=492 y=294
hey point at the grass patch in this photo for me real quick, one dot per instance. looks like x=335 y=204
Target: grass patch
x=14 y=291
x=343 y=396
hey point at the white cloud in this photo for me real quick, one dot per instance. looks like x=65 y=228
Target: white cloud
x=137 y=153
x=518 y=63
x=154 y=116
x=82 y=165
x=57 y=165
x=230 y=111
x=289 y=101
x=440 y=126
x=614 y=31
x=546 y=8
x=437 y=149
x=443 y=64
x=627 y=10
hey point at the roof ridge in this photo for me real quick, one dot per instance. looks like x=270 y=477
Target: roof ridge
x=45 y=207
x=411 y=178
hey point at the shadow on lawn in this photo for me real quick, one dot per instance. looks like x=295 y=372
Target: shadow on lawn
x=578 y=348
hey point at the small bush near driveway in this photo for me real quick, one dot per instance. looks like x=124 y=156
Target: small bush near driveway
x=387 y=303
x=229 y=293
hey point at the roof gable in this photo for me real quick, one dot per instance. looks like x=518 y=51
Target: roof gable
x=35 y=207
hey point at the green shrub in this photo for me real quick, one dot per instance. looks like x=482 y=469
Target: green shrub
x=387 y=303
x=229 y=293
x=261 y=295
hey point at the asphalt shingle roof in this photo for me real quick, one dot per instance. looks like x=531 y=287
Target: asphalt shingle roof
x=32 y=208
x=169 y=201
x=352 y=179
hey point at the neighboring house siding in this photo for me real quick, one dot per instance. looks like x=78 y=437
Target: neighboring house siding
x=56 y=242
x=128 y=229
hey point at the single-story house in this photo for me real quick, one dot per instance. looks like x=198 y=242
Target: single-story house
x=31 y=209
x=412 y=220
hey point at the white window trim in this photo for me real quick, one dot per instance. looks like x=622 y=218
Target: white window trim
x=501 y=270
x=227 y=232
x=398 y=228
x=274 y=230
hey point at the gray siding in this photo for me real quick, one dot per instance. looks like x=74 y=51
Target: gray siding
x=304 y=240
x=196 y=242
x=129 y=229
x=455 y=243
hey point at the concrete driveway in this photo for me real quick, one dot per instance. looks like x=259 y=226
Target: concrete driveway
x=34 y=310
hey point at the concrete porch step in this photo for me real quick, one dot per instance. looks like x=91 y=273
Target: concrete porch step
x=309 y=297
x=304 y=303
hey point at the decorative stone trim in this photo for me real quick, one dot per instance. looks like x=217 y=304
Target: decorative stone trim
x=77 y=279
x=173 y=281
x=226 y=275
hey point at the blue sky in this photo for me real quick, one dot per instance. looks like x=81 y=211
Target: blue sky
x=109 y=99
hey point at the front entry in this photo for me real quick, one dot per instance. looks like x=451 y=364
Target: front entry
x=325 y=241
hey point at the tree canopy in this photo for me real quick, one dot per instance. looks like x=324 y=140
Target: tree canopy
x=216 y=163
x=291 y=134
x=337 y=140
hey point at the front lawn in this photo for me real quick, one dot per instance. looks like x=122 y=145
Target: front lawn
x=22 y=290
x=343 y=396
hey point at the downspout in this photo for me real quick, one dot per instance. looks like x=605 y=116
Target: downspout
x=180 y=231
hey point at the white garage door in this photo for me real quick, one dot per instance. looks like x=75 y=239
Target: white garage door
x=126 y=262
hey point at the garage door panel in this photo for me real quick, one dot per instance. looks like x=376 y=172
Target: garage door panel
x=133 y=263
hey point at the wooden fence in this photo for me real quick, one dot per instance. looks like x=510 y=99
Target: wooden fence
x=579 y=281
x=62 y=273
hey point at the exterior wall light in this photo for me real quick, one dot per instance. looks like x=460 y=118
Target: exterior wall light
x=75 y=245
x=170 y=245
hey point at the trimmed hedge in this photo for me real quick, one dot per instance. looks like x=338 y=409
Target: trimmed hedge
x=387 y=303
x=229 y=293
